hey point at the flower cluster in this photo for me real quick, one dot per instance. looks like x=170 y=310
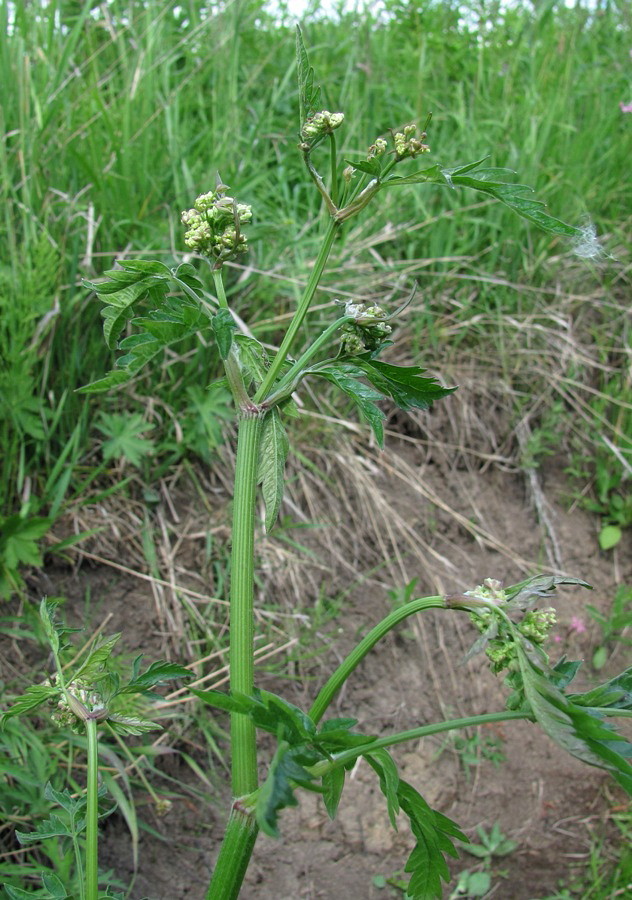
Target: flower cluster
x=321 y=123
x=407 y=146
x=377 y=149
x=214 y=225
x=79 y=703
x=367 y=331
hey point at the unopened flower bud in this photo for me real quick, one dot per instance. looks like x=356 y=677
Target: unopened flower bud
x=377 y=149
x=321 y=123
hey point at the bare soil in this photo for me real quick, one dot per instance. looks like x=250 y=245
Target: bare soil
x=459 y=517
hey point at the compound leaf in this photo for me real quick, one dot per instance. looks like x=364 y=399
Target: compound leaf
x=433 y=834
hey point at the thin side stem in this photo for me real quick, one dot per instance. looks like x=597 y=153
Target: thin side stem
x=231 y=364
x=92 y=813
x=335 y=682
x=334 y=168
x=414 y=734
x=285 y=385
x=219 y=288
x=301 y=312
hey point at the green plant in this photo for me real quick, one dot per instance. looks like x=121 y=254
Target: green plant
x=89 y=696
x=312 y=751
x=492 y=844
x=613 y=624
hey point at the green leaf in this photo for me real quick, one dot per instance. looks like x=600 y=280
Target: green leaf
x=365 y=398
x=333 y=783
x=614 y=694
x=223 y=328
x=175 y=320
x=609 y=536
x=253 y=359
x=382 y=762
x=577 y=729
x=131 y=724
x=51 y=827
x=273 y=450
x=54 y=886
x=432 y=175
x=308 y=95
x=433 y=833
x=371 y=167
x=525 y=594
x=268 y=711
x=121 y=308
x=64 y=799
x=18 y=540
x=492 y=181
x=158 y=673
x=123 y=437
x=34 y=696
x=405 y=385
x=277 y=791
x=92 y=668
x=146 y=267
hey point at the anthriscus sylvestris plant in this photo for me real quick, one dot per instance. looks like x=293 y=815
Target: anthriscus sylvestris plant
x=314 y=751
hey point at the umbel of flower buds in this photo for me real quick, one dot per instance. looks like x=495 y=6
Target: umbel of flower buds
x=368 y=330
x=407 y=146
x=321 y=123
x=214 y=225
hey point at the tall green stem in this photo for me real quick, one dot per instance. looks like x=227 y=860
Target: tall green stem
x=92 y=813
x=301 y=312
x=243 y=743
x=241 y=831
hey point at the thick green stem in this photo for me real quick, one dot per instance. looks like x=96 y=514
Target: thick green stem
x=234 y=856
x=335 y=682
x=243 y=743
x=92 y=813
x=301 y=312
x=241 y=830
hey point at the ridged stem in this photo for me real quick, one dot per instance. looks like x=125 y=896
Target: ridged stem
x=92 y=813
x=243 y=742
x=234 y=856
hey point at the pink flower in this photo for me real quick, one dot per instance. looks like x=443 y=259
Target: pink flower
x=625 y=107
x=557 y=639
x=578 y=626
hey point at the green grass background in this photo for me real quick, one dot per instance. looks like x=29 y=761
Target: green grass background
x=115 y=117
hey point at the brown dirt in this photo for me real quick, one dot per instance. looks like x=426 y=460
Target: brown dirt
x=476 y=517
